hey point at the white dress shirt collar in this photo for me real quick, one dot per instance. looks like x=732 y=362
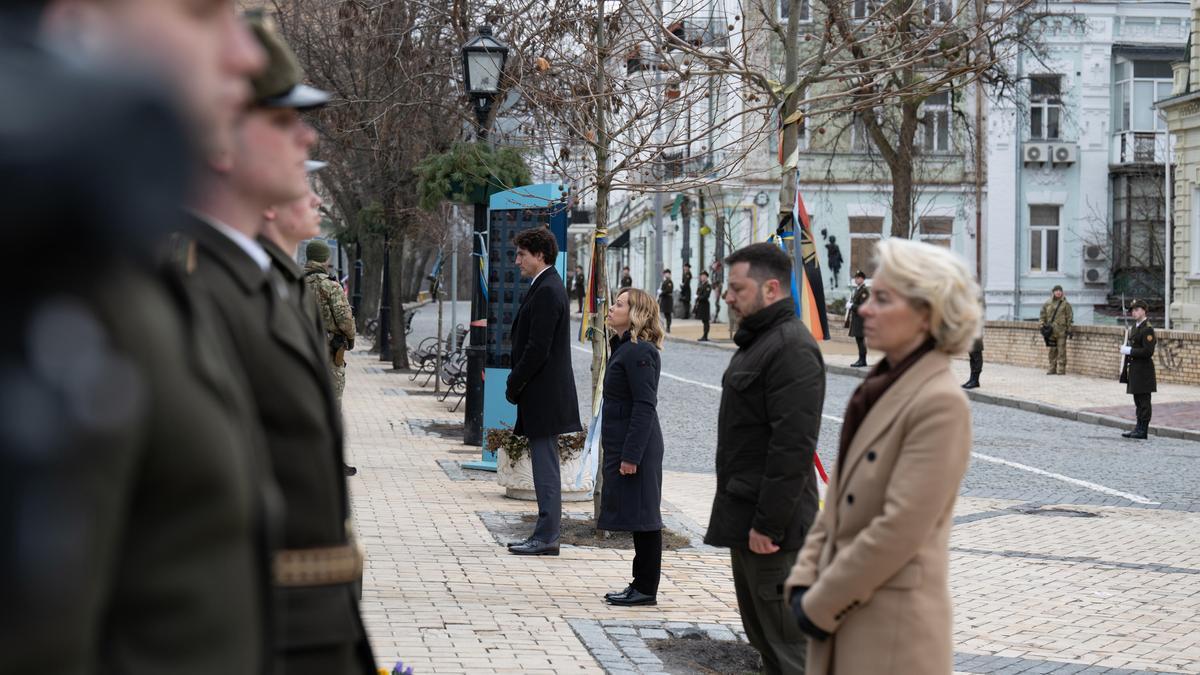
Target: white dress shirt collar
x=535 y=277
x=251 y=247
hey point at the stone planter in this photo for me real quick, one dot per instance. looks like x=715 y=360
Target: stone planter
x=517 y=478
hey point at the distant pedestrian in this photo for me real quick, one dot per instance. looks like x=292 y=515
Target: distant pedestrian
x=770 y=416
x=876 y=561
x=834 y=256
x=717 y=277
x=1057 y=317
x=1137 y=372
x=632 y=440
x=975 y=357
x=854 y=321
x=579 y=287
x=541 y=383
x=685 y=291
x=666 y=297
x=626 y=279
x=701 y=310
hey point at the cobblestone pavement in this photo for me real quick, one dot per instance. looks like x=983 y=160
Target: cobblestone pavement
x=1047 y=575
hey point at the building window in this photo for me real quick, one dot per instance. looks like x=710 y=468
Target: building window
x=938 y=11
x=935 y=123
x=861 y=9
x=865 y=233
x=937 y=231
x=1043 y=239
x=805 y=13
x=1195 y=211
x=1045 y=107
x=1136 y=86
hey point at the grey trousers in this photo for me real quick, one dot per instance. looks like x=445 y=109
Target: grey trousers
x=766 y=617
x=547 y=483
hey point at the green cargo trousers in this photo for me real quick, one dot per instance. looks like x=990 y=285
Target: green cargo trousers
x=766 y=616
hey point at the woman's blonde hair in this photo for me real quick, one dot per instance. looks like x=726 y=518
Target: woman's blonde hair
x=643 y=317
x=934 y=278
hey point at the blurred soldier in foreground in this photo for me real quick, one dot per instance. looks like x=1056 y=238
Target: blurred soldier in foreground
x=318 y=629
x=132 y=511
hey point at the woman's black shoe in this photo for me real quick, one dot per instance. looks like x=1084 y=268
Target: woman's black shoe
x=633 y=599
x=858 y=364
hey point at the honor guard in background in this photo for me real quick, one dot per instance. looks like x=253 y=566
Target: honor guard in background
x=1057 y=318
x=336 y=315
x=855 y=323
x=685 y=290
x=579 y=287
x=666 y=297
x=133 y=528
x=1138 y=370
x=317 y=629
x=702 y=311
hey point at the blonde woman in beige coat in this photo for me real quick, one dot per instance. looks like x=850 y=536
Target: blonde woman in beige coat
x=870 y=586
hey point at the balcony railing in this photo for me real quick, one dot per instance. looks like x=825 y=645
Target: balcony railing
x=1139 y=147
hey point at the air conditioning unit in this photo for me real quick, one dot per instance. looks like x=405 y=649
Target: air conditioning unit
x=1093 y=253
x=1035 y=153
x=1063 y=153
x=1095 y=265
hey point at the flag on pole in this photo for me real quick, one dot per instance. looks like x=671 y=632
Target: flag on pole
x=593 y=299
x=811 y=289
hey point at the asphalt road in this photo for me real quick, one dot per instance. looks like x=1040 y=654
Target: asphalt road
x=1016 y=455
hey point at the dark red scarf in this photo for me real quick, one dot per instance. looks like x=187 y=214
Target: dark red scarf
x=878 y=381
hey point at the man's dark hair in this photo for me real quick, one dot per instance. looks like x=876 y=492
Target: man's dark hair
x=703 y=272
x=538 y=240
x=767 y=261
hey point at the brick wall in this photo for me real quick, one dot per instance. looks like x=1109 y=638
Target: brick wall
x=1092 y=350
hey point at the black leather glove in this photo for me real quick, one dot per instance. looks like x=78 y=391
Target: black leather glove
x=806 y=626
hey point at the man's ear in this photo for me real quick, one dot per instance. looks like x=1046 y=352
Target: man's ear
x=270 y=214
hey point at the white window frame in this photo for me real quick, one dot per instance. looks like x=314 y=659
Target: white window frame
x=1046 y=104
x=805 y=10
x=936 y=238
x=861 y=9
x=1129 y=84
x=933 y=13
x=1041 y=254
x=941 y=115
x=1195 y=243
x=875 y=236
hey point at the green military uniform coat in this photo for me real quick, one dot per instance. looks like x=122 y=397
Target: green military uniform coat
x=284 y=360
x=146 y=531
x=1138 y=370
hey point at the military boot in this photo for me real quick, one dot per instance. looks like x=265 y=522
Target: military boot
x=1139 y=433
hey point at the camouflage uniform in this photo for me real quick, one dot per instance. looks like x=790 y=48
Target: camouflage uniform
x=335 y=313
x=1057 y=314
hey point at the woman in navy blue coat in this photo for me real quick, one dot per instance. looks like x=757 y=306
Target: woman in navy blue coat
x=632 y=441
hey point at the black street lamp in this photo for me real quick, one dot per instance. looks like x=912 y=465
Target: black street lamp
x=483 y=63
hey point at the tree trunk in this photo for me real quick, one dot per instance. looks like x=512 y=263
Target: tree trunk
x=372 y=282
x=902 y=196
x=603 y=186
x=399 y=316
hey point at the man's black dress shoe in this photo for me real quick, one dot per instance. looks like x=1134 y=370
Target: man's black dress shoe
x=632 y=599
x=619 y=594
x=971 y=384
x=518 y=543
x=534 y=547
x=858 y=364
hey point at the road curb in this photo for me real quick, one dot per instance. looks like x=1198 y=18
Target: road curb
x=1046 y=409
x=997 y=399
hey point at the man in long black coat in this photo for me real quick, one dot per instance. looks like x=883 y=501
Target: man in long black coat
x=542 y=384
x=1138 y=369
x=767 y=429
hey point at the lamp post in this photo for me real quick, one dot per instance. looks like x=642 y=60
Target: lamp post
x=483 y=63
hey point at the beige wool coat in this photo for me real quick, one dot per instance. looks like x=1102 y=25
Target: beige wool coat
x=876 y=561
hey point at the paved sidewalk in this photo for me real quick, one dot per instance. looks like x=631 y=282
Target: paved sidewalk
x=1035 y=590
x=1088 y=399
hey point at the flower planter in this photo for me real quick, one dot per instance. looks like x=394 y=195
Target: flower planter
x=514 y=468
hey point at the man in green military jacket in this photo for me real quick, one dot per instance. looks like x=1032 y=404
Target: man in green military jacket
x=1138 y=370
x=1056 y=318
x=337 y=317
